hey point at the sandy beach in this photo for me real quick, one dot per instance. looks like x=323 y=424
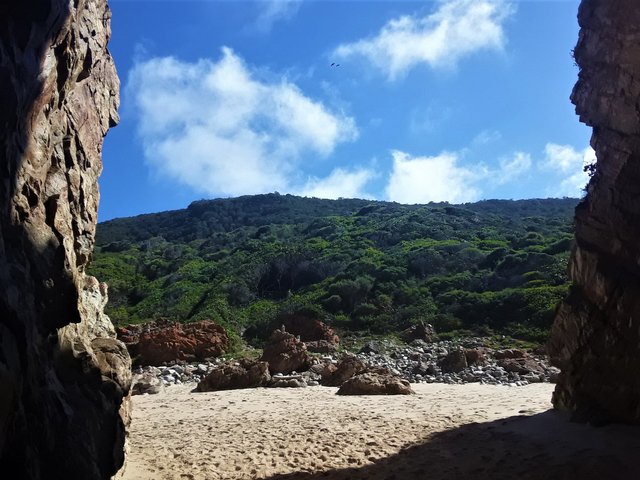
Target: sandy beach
x=444 y=431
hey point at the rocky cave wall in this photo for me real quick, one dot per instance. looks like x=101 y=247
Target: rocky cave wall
x=596 y=336
x=64 y=377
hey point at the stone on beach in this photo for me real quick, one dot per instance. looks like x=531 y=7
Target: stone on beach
x=375 y=383
x=242 y=374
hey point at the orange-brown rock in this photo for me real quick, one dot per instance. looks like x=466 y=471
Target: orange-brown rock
x=64 y=399
x=348 y=367
x=476 y=356
x=166 y=341
x=596 y=333
x=285 y=353
x=318 y=336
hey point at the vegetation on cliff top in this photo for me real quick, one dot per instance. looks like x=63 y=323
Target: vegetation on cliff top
x=492 y=266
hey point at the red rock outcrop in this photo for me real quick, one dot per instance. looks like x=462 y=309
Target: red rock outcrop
x=165 y=341
x=65 y=377
x=317 y=335
x=285 y=353
x=596 y=335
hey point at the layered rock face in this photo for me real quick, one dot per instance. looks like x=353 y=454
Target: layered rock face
x=165 y=341
x=65 y=378
x=596 y=335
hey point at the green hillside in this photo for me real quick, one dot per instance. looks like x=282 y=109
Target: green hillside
x=495 y=265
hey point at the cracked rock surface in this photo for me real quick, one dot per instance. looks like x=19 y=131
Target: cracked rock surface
x=64 y=401
x=596 y=336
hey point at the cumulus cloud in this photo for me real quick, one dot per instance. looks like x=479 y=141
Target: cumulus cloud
x=455 y=30
x=423 y=179
x=218 y=128
x=443 y=178
x=339 y=183
x=432 y=179
x=567 y=164
x=272 y=11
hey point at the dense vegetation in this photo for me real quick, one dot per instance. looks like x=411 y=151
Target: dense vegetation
x=495 y=265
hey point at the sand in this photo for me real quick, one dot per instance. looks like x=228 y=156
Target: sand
x=444 y=431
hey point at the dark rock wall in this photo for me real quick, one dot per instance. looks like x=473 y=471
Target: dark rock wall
x=596 y=336
x=64 y=377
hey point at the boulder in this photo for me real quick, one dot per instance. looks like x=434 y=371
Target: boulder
x=455 y=361
x=324 y=369
x=242 y=374
x=371 y=347
x=375 y=383
x=166 y=341
x=509 y=353
x=146 y=383
x=421 y=331
x=309 y=329
x=520 y=365
x=285 y=353
x=347 y=367
x=287 y=381
x=475 y=356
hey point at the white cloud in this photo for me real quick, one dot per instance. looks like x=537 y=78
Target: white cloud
x=568 y=165
x=432 y=179
x=445 y=178
x=512 y=168
x=272 y=11
x=563 y=157
x=456 y=29
x=340 y=183
x=216 y=127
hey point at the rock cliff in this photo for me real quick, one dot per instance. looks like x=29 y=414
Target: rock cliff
x=65 y=378
x=596 y=335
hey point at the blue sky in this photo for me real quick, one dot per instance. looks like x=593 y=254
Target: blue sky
x=451 y=100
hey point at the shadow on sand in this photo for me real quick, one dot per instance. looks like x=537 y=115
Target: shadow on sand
x=542 y=446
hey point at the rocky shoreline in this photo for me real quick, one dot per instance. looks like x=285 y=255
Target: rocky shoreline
x=462 y=361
